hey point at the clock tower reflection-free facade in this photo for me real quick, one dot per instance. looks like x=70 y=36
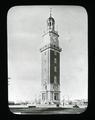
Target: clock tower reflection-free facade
x=50 y=65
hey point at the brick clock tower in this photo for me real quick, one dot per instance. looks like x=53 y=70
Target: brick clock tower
x=50 y=64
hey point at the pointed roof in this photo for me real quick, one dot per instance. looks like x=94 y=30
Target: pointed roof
x=51 y=18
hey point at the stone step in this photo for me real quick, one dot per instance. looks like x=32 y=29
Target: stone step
x=46 y=105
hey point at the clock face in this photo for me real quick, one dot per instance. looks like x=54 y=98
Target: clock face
x=46 y=40
x=54 y=40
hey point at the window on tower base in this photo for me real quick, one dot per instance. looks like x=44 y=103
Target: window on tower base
x=56 y=96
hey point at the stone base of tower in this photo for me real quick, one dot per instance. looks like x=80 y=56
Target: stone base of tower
x=50 y=98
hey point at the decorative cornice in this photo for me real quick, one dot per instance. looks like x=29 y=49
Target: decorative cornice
x=55 y=32
x=50 y=46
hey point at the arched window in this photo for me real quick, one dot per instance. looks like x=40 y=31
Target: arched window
x=43 y=96
x=56 y=96
x=55 y=60
x=55 y=70
x=55 y=79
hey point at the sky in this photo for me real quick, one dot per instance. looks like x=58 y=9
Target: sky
x=25 y=27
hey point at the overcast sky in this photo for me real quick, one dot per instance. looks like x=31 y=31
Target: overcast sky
x=25 y=26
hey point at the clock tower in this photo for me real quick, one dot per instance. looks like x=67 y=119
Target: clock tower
x=50 y=64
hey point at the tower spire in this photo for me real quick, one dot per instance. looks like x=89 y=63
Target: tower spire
x=50 y=22
x=50 y=11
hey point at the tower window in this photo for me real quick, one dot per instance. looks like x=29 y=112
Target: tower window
x=43 y=96
x=56 y=96
x=45 y=87
x=55 y=60
x=55 y=79
x=55 y=69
